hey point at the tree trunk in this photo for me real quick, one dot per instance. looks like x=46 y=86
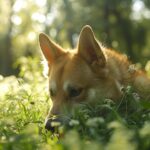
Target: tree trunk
x=7 y=58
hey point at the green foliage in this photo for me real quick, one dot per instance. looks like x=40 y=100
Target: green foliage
x=119 y=24
x=99 y=125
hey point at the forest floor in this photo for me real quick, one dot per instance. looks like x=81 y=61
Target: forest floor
x=104 y=125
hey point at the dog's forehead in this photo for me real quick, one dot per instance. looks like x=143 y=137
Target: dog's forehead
x=76 y=69
x=68 y=65
x=57 y=71
x=69 y=70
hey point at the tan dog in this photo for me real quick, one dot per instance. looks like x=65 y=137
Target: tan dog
x=89 y=72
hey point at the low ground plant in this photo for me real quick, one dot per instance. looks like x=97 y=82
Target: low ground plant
x=101 y=125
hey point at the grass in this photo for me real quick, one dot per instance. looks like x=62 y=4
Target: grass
x=103 y=125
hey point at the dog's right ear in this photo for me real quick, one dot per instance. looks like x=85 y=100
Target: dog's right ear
x=50 y=49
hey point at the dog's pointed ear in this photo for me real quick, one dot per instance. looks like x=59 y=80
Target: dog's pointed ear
x=89 y=48
x=50 y=49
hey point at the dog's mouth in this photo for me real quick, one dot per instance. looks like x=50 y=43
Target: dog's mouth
x=54 y=122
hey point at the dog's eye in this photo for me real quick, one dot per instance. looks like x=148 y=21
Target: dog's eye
x=73 y=92
x=52 y=93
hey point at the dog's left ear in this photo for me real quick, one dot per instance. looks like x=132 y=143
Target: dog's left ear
x=89 y=48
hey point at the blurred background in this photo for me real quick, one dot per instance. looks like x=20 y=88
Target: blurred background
x=123 y=25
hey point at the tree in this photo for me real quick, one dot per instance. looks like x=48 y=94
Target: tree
x=6 y=58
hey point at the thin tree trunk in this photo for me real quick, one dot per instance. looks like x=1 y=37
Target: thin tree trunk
x=7 y=59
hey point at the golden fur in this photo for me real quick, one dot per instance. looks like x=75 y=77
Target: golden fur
x=89 y=72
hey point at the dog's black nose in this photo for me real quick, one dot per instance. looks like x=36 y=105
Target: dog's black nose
x=52 y=124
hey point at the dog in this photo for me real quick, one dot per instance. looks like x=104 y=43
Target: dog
x=91 y=71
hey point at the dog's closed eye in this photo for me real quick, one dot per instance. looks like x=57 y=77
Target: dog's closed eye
x=74 y=92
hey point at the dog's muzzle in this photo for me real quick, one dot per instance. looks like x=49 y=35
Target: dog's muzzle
x=52 y=124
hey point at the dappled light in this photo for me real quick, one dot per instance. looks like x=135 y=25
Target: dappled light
x=26 y=98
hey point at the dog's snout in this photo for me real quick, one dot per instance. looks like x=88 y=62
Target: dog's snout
x=48 y=125
x=52 y=124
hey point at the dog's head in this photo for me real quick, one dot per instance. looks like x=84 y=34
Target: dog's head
x=77 y=75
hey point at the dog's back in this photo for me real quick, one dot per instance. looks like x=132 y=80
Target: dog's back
x=127 y=74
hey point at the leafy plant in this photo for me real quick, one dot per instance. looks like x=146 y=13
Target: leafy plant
x=103 y=124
